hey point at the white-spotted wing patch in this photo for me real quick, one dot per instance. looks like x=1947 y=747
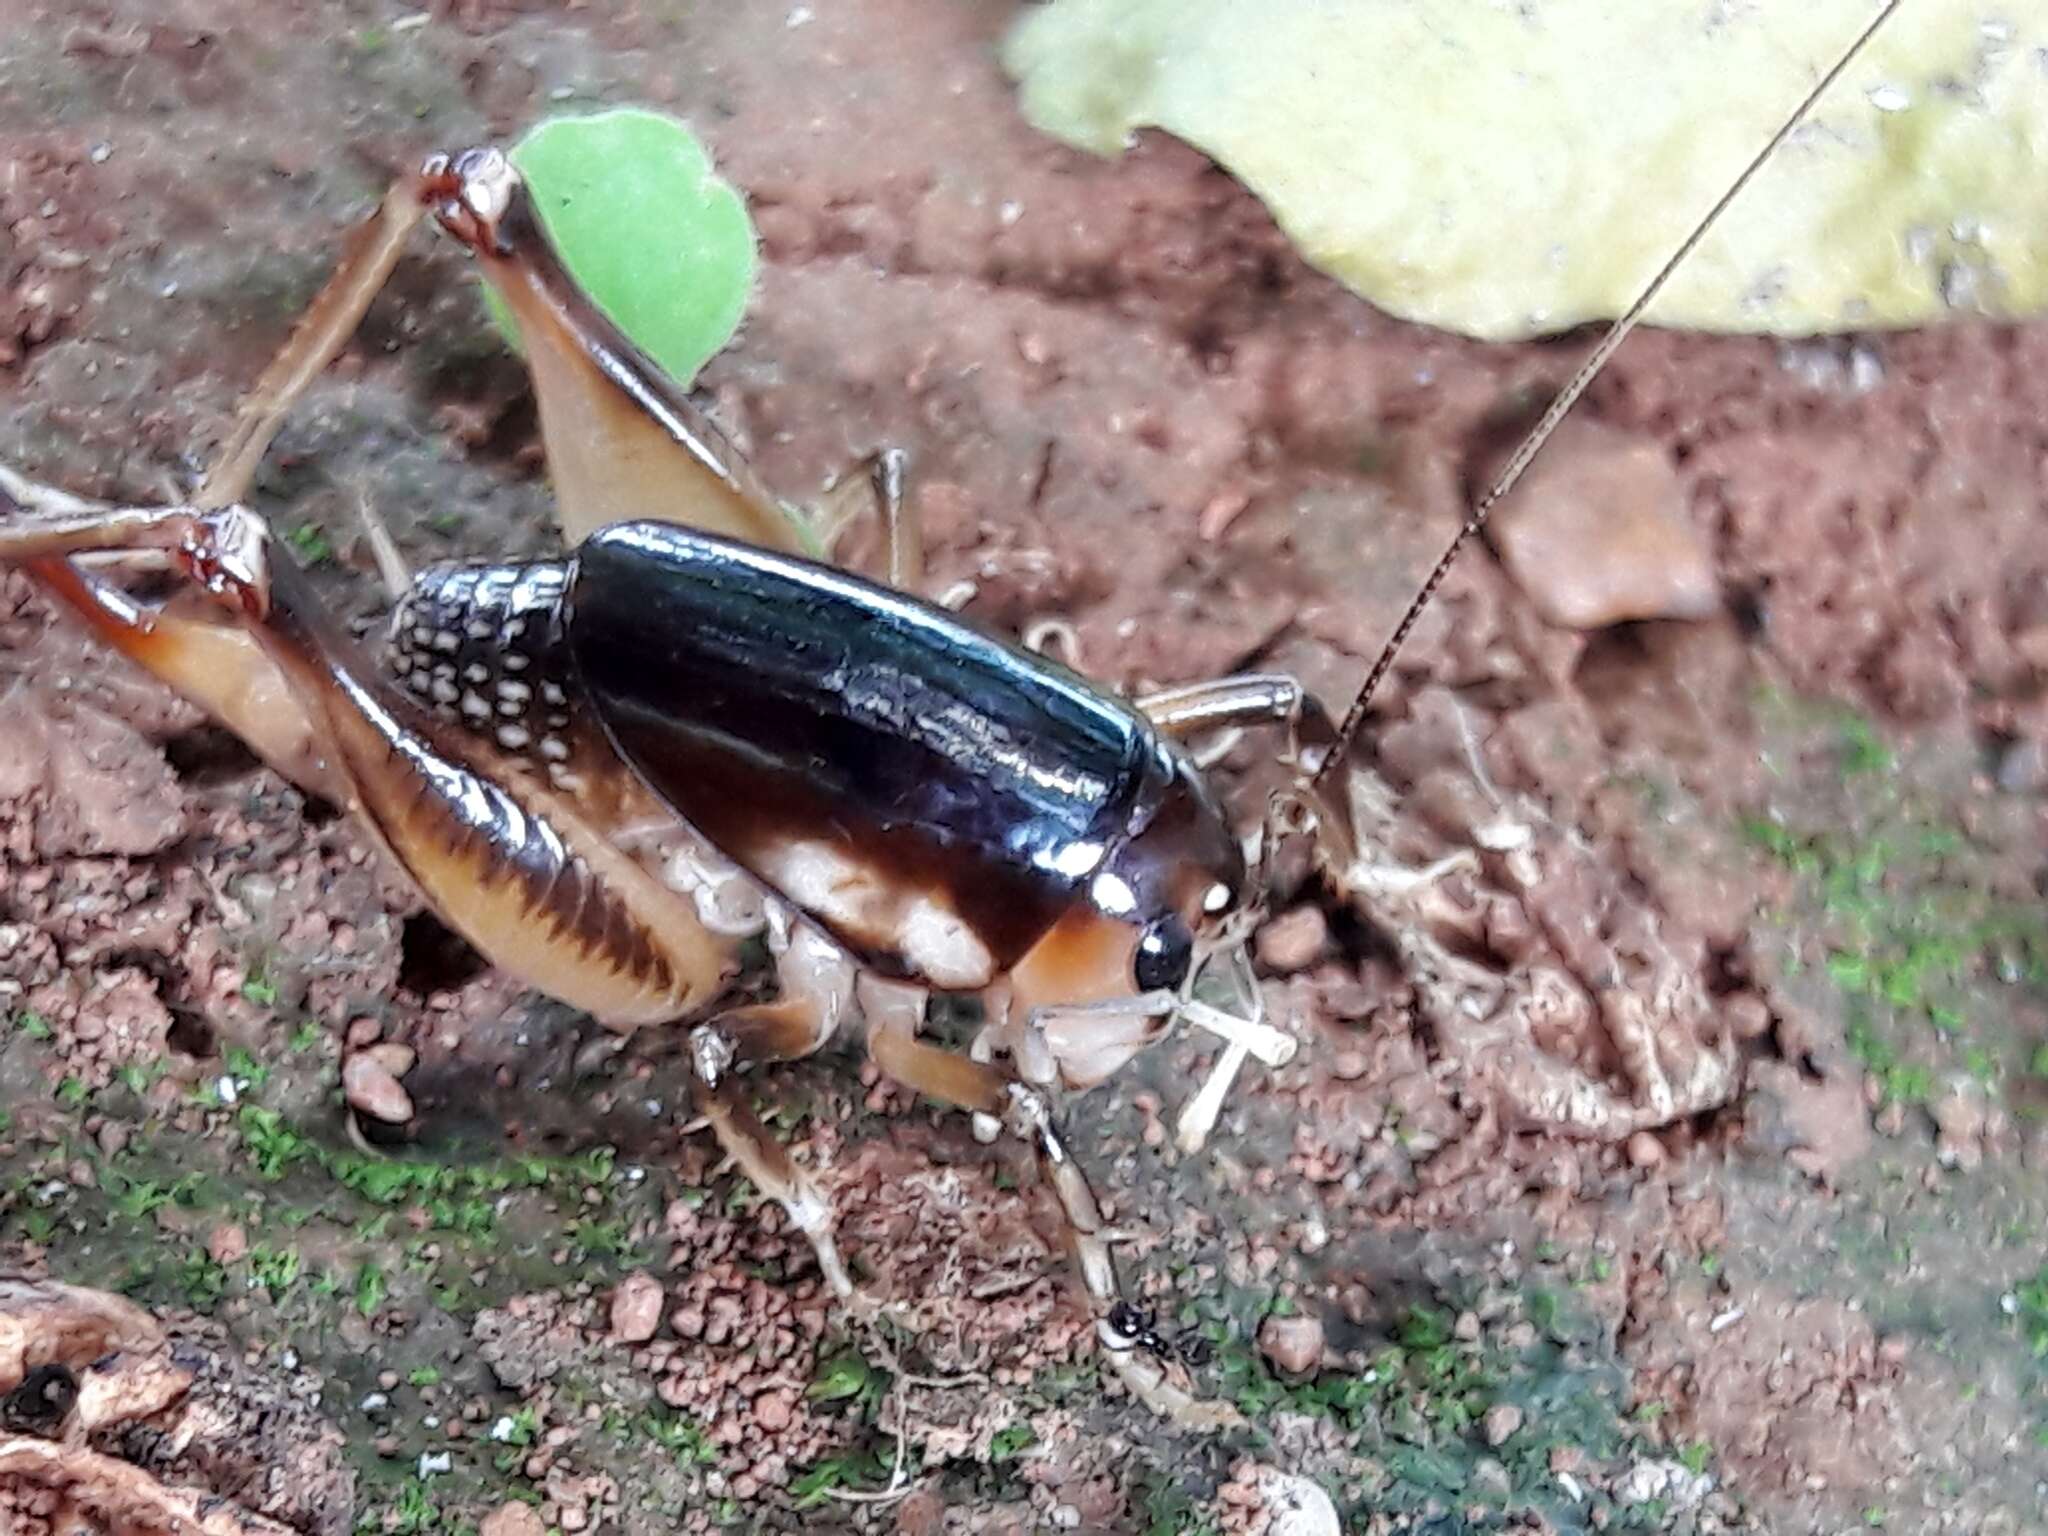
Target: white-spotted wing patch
x=482 y=647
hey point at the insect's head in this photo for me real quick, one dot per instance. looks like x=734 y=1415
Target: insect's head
x=469 y=194
x=1177 y=877
x=1169 y=892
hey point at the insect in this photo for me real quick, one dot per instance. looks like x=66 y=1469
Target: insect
x=930 y=808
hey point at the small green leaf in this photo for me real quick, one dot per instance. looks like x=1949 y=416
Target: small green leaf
x=1008 y=1443
x=646 y=227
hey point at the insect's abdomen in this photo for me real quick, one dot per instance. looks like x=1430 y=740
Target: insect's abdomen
x=930 y=795
x=514 y=866
x=483 y=647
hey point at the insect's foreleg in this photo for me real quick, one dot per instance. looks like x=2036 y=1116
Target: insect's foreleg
x=893 y=1012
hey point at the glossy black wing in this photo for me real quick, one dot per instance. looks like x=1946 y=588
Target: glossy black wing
x=922 y=770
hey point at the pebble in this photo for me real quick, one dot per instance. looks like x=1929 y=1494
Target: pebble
x=512 y=1519
x=227 y=1244
x=1748 y=1016
x=1645 y=1150
x=1960 y=1120
x=1501 y=1422
x=922 y=1514
x=1294 y=940
x=1294 y=1506
x=636 y=1308
x=1598 y=534
x=371 y=1086
x=773 y=1410
x=1293 y=1344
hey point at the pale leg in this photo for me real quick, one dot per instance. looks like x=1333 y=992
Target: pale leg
x=877 y=484
x=781 y=1031
x=893 y=1013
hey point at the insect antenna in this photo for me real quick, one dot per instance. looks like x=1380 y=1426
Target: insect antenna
x=1532 y=444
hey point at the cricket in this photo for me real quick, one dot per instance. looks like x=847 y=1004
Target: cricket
x=711 y=728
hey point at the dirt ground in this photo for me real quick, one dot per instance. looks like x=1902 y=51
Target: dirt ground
x=1678 y=1160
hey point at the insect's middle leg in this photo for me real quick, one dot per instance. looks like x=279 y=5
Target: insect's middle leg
x=876 y=484
x=788 y=1029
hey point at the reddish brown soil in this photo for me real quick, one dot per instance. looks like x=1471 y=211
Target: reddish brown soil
x=1132 y=409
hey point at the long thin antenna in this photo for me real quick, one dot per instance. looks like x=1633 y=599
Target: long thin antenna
x=1531 y=445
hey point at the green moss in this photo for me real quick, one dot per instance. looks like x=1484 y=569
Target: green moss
x=1908 y=932
x=2031 y=1313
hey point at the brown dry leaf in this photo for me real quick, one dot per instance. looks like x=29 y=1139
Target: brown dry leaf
x=114 y=1350
x=124 y=1500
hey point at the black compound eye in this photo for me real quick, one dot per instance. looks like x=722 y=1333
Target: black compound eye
x=1165 y=952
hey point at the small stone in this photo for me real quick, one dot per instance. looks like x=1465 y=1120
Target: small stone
x=636 y=1308
x=1501 y=1422
x=1598 y=533
x=922 y=1514
x=1293 y=1344
x=393 y=1058
x=1466 y=1328
x=1294 y=940
x=1748 y=1016
x=363 y=1032
x=1294 y=1506
x=370 y=1086
x=773 y=1410
x=1645 y=1150
x=1960 y=1120
x=513 y=1519
x=227 y=1244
